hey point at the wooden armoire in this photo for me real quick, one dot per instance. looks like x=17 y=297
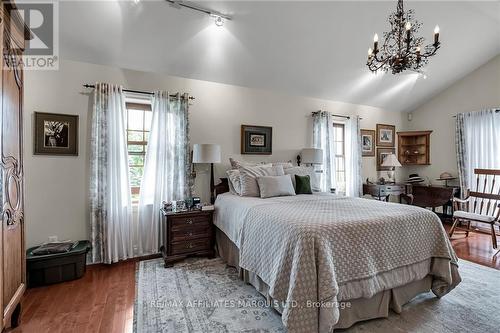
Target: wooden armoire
x=12 y=243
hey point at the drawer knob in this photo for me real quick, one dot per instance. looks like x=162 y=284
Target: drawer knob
x=190 y=233
x=189 y=221
x=189 y=246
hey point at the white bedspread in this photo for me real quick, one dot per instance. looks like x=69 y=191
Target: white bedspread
x=325 y=248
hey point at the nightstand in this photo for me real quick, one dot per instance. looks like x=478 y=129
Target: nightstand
x=186 y=234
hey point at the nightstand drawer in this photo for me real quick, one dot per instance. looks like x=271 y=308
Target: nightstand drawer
x=197 y=231
x=190 y=246
x=189 y=222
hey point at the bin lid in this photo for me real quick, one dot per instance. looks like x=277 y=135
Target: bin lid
x=83 y=246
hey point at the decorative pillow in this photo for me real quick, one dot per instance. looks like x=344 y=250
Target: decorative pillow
x=234 y=181
x=235 y=164
x=275 y=186
x=285 y=165
x=248 y=178
x=303 y=171
x=302 y=184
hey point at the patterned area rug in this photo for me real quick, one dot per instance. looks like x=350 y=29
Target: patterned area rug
x=202 y=295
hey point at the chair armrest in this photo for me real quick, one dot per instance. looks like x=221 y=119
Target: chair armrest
x=458 y=204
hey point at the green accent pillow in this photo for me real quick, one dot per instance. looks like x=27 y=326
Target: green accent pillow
x=303 y=184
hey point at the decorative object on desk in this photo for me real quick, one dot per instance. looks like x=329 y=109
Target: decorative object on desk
x=402 y=49
x=167 y=206
x=257 y=140
x=382 y=153
x=386 y=135
x=367 y=142
x=414 y=178
x=312 y=155
x=392 y=162
x=207 y=153
x=179 y=206
x=206 y=207
x=56 y=134
x=333 y=190
x=446 y=176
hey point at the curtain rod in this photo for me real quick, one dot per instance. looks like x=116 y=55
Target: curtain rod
x=137 y=91
x=333 y=114
x=496 y=111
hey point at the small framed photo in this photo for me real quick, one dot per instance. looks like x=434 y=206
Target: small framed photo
x=386 y=135
x=56 y=134
x=382 y=153
x=367 y=142
x=256 y=140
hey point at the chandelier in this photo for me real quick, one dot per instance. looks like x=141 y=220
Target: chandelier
x=402 y=49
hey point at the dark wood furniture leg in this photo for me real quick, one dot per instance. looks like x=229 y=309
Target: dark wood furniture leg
x=493 y=236
x=452 y=230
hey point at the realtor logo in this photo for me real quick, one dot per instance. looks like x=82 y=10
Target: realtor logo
x=42 y=46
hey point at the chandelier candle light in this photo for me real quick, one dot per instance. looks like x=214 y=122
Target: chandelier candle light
x=401 y=49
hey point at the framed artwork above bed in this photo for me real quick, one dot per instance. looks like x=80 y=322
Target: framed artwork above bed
x=257 y=140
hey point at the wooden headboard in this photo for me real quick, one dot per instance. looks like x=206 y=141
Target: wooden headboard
x=222 y=187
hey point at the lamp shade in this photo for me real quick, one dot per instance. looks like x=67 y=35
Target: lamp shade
x=206 y=153
x=312 y=155
x=391 y=161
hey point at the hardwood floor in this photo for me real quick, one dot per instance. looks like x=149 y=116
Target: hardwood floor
x=103 y=300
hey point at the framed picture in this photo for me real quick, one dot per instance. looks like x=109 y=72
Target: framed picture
x=256 y=140
x=382 y=153
x=56 y=134
x=386 y=135
x=367 y=142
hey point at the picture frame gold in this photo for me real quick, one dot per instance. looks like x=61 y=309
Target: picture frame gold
x=386 y=135
x=367 y=142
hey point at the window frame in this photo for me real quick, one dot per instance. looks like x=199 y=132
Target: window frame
x=342 y=156
x=143 y=107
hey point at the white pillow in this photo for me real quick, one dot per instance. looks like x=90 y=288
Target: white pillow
x=235 y=164
x=275 y=186
x=248 y=178
x=234 y=181
x=285 y=165
x=304 y=171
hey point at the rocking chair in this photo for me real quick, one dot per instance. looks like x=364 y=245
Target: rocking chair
x=481 y=205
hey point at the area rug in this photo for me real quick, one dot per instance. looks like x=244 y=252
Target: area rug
x=205 y=295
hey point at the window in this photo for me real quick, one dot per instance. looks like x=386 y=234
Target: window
x=138 y=127
x=339 y=145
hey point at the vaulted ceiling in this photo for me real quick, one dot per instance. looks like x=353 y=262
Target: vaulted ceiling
x=310 y=48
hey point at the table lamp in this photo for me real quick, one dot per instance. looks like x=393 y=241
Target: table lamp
x=312 y=156
x=207 y=153
x=392 y=162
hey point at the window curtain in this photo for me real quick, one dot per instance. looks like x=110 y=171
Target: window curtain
x=323 y=138
x=477 y=144
x=353 y=158
x=110 y=201
x=166 y=168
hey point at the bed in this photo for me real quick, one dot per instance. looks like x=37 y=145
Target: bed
x=326 y=262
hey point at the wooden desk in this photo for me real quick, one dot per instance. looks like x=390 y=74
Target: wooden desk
x=384 y=191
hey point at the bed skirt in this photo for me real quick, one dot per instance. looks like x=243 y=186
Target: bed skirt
x=351 y=310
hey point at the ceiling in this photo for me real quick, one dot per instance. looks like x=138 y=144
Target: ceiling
x=314 y=48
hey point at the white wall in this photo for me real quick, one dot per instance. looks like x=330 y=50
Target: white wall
x=56 y=187
x=478 y=90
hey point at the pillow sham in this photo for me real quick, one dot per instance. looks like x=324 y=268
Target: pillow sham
x=275 y=186
x=303 y=184
x=303 y=171
x=234 y=181
x=235 y=164
x=248 y=178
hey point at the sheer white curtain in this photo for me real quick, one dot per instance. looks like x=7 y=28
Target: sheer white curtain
x=110 y=201
x=353 y=158
x=477 y=143
x=166 y=168
x=323 y=138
